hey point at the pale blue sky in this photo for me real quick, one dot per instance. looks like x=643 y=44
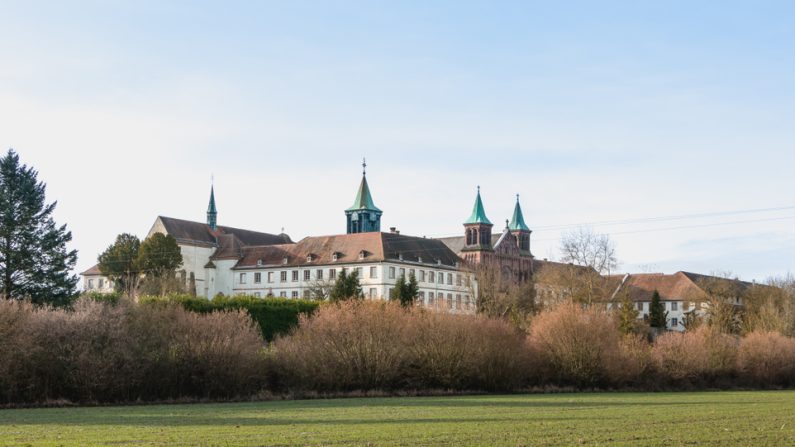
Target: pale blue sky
x=592 y=111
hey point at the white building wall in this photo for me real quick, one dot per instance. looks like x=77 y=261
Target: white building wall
x=455 y=296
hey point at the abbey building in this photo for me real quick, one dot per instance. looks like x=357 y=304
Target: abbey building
x=230 y=261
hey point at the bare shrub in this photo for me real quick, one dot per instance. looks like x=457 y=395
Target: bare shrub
x=767 y=359
x=578 y=346
x=364 y=346
x=699 y=356
x=345 y=346
x=465 y=352
x=104 y=353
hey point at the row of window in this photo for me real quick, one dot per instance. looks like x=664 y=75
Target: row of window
x=101 y=284
x=394 y=273
x=672 y=306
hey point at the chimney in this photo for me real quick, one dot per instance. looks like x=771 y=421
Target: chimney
x=394 y=230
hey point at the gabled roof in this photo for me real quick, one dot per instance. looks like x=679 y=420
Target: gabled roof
x=92 y=271
x=680 y=286
x=364 y=200
x=478 y=215
x=457 y=243
x=377 y=247
x=197 y=233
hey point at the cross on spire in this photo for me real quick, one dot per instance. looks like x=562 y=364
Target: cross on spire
x=364 y=166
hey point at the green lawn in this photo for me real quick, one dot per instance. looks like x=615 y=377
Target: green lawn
x=715 y=418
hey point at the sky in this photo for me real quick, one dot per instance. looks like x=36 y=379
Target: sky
x=619 y=115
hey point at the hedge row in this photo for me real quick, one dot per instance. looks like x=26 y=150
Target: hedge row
x=275 y=316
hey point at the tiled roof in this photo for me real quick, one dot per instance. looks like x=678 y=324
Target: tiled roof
x=93 y=271
x=457 y=243
x=375 y=245
x=680 y=286
x=198 y=233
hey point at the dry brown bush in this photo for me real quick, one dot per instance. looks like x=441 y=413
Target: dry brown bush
x=103 y=352
x=573 y=345
x=767 y=359
x=699 y=356
x=365 y=345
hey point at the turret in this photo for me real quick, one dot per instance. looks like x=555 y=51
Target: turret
x=520 y=229
x=477 y=229
x=363 y=216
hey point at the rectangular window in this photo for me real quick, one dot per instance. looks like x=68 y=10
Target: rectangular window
x=449 y=300
x=431 y=277
x=421 y=296
x=440 y=278
x=257 y=278
x=319 y=273
x=359 y=272
x=674 y=322
x=306 y=274
x=270 y=276
x=332 y=274
x=411 y=273
x=373 y=272
x=101 y=283
x=294 y=294
x=283 y=276
x=391 y=273
x=257 y=294
x=449 y=279
x=373 y=292
x=674 y=306
x=430 y=298
x=422 y=276
x=295 y=275
x=242 y=278
x=458 y=301
x=640 y=306
x=90 y=283
x=306 y=294
x=283 y=294
x=458 y=280
x=403 y=272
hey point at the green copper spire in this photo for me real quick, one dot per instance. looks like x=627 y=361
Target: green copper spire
x=478 y=214
x=364 y=200
x=212 y=212
x=363 y=216
x=517 y=222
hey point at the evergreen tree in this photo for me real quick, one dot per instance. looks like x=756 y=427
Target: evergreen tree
x=346 y=287
x=658 y=316
x=627 y=314
x=405 y=291
x=34 y=260
x=159 y=257
x=119 y=262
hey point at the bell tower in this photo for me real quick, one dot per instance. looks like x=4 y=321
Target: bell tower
x=477 y=230
x=363 y=216
x=520 y=229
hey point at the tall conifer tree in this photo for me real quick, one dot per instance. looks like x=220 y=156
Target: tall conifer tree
x=34 y=260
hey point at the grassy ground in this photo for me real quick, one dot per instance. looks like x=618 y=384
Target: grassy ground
x=716 y=418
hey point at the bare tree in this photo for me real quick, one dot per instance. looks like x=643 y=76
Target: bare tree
x=586 y=248
x=320 y=289
x=501 y=295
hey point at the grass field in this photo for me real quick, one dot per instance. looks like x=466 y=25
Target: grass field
x=715 y=418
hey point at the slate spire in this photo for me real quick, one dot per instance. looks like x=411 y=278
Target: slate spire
x=212 y=212
x=363 y=216
x=517 y=221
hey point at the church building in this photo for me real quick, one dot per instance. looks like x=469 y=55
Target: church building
x=230 y=261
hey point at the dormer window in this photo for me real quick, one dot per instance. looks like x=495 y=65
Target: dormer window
x=362 y=254
x=400 y=256
x=310 y=257
x=438 y=262
x=335 y=256
x=285 y=260
x=419 y=259
x=259 y=262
